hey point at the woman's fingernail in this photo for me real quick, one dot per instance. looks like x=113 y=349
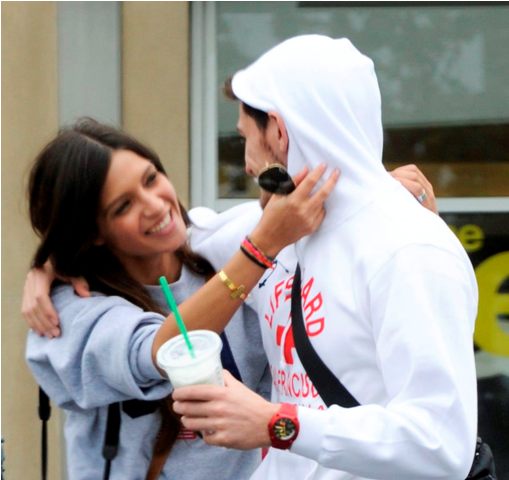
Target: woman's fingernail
x=55 y=332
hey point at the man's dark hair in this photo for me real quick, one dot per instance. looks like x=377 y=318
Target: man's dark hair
x=259 y=116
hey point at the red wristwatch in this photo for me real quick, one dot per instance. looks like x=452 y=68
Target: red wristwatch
x=284 y=426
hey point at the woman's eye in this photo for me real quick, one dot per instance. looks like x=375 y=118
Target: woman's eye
x=151 y=178
x=121 y=208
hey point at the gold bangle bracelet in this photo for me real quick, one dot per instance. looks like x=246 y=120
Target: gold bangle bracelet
x=235 y=292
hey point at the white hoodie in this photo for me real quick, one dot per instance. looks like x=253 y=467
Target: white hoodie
x=389 y=294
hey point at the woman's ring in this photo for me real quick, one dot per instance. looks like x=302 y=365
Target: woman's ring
x=422 y=197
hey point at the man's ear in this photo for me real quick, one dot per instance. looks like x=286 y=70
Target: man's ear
x=280 y=131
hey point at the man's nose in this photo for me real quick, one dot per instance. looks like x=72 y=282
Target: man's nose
x=248 y=169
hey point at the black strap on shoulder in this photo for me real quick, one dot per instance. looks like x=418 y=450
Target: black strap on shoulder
x=138 y=408
x=333 y=392
x=44 y=414
x=327 y=384
x=110 y=447
x=111 y=437
x=112 y=434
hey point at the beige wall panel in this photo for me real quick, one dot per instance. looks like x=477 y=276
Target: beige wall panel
x=29 y=118
x=155 y=82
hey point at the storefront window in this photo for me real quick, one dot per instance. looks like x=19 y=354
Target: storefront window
x=442 y=72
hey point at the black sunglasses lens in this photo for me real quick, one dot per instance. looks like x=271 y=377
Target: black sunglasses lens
x=276 y=180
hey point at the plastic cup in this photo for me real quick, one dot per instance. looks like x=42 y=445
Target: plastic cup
x=182 y=369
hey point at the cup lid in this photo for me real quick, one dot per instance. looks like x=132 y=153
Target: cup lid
x=175 y=352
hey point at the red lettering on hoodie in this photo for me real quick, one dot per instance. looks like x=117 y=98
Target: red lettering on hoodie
x=278 y=290
x=311 y=305
x=314 y=327
x=288 y=342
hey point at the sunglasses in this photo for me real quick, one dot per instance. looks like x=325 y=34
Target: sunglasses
x=275 y=179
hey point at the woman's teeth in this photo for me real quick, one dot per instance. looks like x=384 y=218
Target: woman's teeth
x=164 y=223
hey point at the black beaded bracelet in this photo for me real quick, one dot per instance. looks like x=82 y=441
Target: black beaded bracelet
x=252 y=258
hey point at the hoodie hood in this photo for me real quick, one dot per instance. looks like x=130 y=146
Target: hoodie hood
x=327 y=93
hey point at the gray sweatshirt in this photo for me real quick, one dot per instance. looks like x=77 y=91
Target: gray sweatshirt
x=104 y=356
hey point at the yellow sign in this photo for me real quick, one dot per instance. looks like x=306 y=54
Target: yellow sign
x=485 y=237
x=489 y=334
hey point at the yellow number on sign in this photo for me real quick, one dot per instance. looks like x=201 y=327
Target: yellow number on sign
x=489 y=335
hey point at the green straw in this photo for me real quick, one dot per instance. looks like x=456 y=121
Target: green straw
x=173 y=306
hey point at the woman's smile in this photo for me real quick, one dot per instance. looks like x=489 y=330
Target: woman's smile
x=142 y=218
x=163 y=227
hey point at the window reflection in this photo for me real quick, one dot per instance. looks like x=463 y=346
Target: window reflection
x=442 y=72
x=460 y=161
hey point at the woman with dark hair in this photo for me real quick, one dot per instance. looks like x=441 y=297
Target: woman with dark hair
x=105 y=210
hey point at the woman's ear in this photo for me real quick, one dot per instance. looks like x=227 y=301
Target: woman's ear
x=280 y=131
x=99 y=241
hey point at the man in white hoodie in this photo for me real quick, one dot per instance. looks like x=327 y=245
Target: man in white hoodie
x=389 y=297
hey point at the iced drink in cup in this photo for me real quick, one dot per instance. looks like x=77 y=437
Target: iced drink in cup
x=182 y=369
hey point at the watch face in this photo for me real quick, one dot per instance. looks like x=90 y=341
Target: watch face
x=284 y=429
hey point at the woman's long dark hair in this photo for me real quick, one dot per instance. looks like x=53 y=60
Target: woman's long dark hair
x=64 y=192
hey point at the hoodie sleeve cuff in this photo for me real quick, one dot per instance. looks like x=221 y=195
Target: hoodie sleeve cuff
x=147 y=369
x=313 y=424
